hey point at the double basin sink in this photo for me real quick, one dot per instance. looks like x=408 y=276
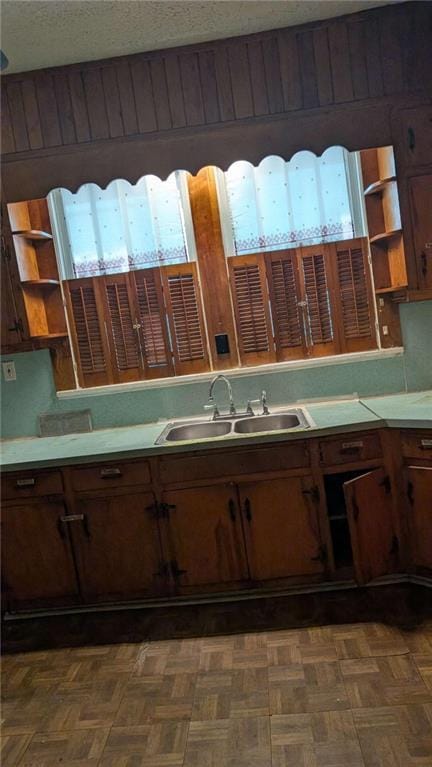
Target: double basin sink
x=289 y=420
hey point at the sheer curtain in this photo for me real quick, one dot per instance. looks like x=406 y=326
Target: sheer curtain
x=123 y=227
x=304 y=201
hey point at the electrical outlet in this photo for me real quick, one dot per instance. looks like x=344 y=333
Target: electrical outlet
x=385 y=330
x=9 y=372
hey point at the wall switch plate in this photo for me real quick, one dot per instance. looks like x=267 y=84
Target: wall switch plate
x=9 y=372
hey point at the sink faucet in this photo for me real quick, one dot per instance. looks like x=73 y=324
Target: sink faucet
x=211 y=403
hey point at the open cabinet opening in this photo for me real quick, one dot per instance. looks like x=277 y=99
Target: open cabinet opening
x=338 y=517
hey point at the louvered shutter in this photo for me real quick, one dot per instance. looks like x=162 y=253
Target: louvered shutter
x=354 y=295
x=153 y=323
x=185 y=316
x=122 y=328
x=285 y=303
x=318 y=300
x=251 y=308
x=87 y=331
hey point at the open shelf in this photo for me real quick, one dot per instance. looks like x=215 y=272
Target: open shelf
x=48 y=336
x=34 y=234
x=391 y=289
x=378 y=186
x=40 y=282
x=384 y=236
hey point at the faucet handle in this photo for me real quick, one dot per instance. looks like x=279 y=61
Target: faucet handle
x=265 y=410
x=251 y=402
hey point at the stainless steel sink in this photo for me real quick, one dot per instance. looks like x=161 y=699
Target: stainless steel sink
x=204 y=430
x=263 y=423
x=290 y=420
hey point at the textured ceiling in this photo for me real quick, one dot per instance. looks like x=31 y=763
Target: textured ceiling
x=43 y=33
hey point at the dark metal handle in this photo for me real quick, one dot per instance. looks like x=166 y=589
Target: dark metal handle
x=176 y=571
x=425 y=444
x=247 y=510
x=86 y=526
x=231 y=509
x=60 y=528
x=165 y=508
x=17 y=327
x=110 y=473
x=411 y=139
x=423 y=257
x=410 y=492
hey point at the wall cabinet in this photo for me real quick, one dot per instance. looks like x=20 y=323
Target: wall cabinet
x=417 y=134
x=160 y=527
x=37 y=563
x=420 y=194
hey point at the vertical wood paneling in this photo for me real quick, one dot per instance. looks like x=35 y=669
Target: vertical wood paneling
x=127 y=100
x=273 y=74
x=240 y=80
x=192 y=89
x=411 y=55
x=48 y=110
x=357 y=46
x=340 y=62
x=95 y=103
x=31 y=110
x=391 y=53
x=160 y=94
x=207 y=67
x=64 y=104
x=259 y=85
x=373 y=58
x=223 y=77
x=290 y=70
x=144 y=101
x=79 y=107
x=308 y=70
x=112 y=102
x=7 y=137
x=323 y=68
x=175 y=91
x=16 y=107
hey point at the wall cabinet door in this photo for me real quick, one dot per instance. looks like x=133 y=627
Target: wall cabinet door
x=420 y=193
x=37 y=563
x=369 y=508
x=419 y=492
x=206 y=536
x=280 y=519
x=117 y=546
x=417 y=134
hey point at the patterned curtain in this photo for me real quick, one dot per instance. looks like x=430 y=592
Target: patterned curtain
x=281 y=204
x=122 y=227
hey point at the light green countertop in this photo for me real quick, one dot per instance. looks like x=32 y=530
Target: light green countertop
x=331 y=417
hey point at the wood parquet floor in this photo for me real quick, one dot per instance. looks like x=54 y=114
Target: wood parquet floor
x=354 y=694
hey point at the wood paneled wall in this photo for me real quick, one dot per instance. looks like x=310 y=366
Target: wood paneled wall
x=379 y=53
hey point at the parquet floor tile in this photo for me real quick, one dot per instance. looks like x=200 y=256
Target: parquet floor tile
x=340 y=694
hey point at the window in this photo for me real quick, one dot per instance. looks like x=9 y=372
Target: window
x=123 y=227
x=286 y=204
x=282 y=247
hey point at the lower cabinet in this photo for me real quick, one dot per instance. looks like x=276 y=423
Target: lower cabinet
x=419 y=494
x=205 y=536
x=37 y=562
x=375 y=546
x=117 y=546
x=259 y=531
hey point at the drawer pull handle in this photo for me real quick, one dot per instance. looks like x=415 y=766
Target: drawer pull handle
x=351 y=448
x=30 y=482
x=72 y=518
x=425 y=444
x=109 y=473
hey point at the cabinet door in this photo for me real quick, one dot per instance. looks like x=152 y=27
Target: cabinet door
x=206 y=536
x=419 y=491
x=369 y=508
x=280 y=518
x=37 y=563
x=116 y=539
x=420 y=193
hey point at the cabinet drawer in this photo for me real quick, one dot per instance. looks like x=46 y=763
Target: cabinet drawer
x=109 y=475
x=416 y=444
x=192 y=467
x=349 y=449
x=31 y=484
